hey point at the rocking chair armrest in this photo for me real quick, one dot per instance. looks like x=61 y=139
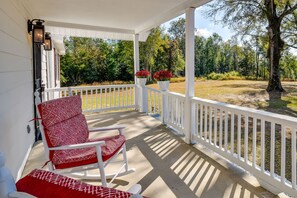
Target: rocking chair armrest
x=109 y=128
x=78 y=146
x=16 y=194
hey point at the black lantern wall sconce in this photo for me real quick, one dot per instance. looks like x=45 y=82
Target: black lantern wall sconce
x=37 y=28
x=48 y=42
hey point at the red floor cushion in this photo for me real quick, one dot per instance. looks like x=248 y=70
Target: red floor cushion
x=45 y=184
x=79 y=157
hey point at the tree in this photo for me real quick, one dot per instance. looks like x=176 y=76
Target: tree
x=150 y=49
x=250 y=17
x=177 y=32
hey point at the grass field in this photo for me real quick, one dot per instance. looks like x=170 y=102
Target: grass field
x=244 y=93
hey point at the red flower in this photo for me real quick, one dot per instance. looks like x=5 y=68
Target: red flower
x=142 y=74
x=163 y=75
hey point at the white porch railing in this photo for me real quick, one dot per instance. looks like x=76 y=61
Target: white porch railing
x=175 y=111
x=262 y=143
x=154 y=102
x=97 y=98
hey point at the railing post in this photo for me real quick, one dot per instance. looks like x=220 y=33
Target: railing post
x=190 y=71
x=164 y=106
x=144 y=98
x=136 y=68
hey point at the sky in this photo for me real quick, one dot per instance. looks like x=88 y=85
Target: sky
x=206 y=26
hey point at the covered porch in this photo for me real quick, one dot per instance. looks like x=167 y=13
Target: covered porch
x=165 y=165
x=180 y=145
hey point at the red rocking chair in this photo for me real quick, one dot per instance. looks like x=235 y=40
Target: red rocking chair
x=68 y=149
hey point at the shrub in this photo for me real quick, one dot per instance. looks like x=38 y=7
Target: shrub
x=177 y=79
x=233 y=75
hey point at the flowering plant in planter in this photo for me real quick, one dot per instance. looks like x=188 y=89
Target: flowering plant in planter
x=163 y=75
x=142 y=74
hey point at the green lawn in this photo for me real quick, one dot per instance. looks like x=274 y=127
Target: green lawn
x=244 y=93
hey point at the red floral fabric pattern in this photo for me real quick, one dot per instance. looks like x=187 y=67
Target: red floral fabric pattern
x=58 y=110
x=63 y=121
x=78 y=157
x=72 y=131
x=44 y=184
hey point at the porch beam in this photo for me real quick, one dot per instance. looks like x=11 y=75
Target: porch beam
x=190 y=71
x=136 y=69
x=88 y=27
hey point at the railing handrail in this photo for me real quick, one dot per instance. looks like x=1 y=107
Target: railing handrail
x=55 y=89
x=181 y=96
x=153 y=89
x=102 y=86
x=277 y=118
x=89 y=87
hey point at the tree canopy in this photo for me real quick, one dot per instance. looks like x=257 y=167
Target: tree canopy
x=95 y=60
x=275 y=20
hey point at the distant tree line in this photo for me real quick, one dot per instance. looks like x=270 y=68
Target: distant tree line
x=90 y=60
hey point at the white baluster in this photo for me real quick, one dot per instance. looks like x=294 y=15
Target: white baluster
x=239 y=136
x=205 y=123
x=246 y=146
x=215 y=126
x=221 y=129
x=283 y=154
x=232 y=133
x=96 y=94
x=263 y=145
x=272 y=149
x=210 y=124
x=226 y=130
x=69 y=91
x=254 y=147
x=294 y=158
x=201 y=120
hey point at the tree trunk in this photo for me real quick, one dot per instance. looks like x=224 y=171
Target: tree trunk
x=275 y=47
x=257 y=65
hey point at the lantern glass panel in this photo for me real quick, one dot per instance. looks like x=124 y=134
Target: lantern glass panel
x=38 y=35
x=48 y=44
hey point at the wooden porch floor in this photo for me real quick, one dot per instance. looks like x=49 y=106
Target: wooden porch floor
x=165 y=165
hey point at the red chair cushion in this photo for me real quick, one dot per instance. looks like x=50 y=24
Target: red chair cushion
x=58 y=110
x=63 y=121
x=72 y=131
x=79 y=157
x=44 y=184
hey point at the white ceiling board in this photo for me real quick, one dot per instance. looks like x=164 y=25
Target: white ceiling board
x=128 y=15
x=80 y=32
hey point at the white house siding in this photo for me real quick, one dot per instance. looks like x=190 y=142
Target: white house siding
x=16 y=97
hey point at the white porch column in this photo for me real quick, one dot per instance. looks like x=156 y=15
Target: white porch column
x=136 y=68
x=190 y=70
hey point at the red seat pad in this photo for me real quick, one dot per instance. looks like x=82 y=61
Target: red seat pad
x=44 y=184
x=79 y=157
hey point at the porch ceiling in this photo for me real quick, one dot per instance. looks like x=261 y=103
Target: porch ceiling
x=115 y=16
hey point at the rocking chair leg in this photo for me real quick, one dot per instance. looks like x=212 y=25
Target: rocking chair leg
x=125 y=157
x=50 y=166
x=101 y=166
